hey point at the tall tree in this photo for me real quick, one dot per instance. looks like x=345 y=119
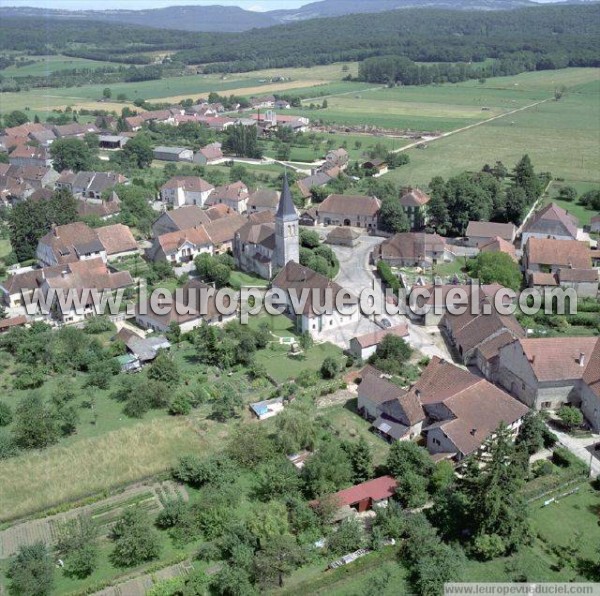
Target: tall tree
x=525 y=178
x=392 y=217
x=72 y=154
x=31 y=571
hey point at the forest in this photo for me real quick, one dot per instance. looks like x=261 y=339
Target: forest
x=519 y=40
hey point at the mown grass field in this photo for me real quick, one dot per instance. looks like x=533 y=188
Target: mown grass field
x=559 y=136
x=45 y=65
x=581 y=213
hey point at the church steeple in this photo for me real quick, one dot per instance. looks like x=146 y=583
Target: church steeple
x=287 y=242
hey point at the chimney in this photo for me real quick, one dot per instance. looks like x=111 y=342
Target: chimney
x=581 y=359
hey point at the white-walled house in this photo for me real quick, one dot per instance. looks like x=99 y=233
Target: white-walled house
x=186 y=190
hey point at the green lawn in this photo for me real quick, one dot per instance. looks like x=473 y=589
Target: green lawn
x=574 y=519
x=281 y=366
x=5 y=247
x=581 y=213
x=239 y=279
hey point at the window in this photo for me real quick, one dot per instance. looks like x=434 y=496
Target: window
x=546 y=405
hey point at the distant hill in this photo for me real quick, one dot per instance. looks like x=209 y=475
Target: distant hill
x=234 y=19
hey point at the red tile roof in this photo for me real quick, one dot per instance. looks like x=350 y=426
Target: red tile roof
x=350 y=205
x=414 y=198
x=378 y=489
x=558 y=253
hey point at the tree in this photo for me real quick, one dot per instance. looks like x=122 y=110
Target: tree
x=15 y=118
x=296 y=430
x=328 y=470
x=567 y=193
x=309 y=238
x=136 y=541
x=138 y=151
x=437 y=209
x=277 y=478
x=531 y=432
x=232 y=581
x=277 y=559
x=392 y=217
x=391 y=354
x=496 y=267
x=406 y=456
x=305 y=341
x=347 y=538
x=107 y=93
x=31 y=571
x=515 y=204
x=570 y=417
x=227 y=404
x=250 y=446
x=242 y=141
x=72 y=154
x=77 y=544
x=34 y=425
x=362 y=461
x=412 y=489
x=329 y=368
x=524 y=177
x=164 y=369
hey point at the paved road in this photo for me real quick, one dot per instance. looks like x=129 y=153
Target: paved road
x=356 y=274
x=582 y=448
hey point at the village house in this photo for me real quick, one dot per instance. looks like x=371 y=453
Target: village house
x=173 y=154
x=186 y=190
x=74 y=130
x=23 y=155
x=463 y=410
x=413 y=249
x=341 y=236
x=145 y=349
x=103 y=210
x=316 y=180
x=343 y=210
x=479 y=333
x=184 y=218
x=90 y=185
x=263 y=199
x=312 y=317
x=431 y=300
x=500 y=245
x=78 y=242
x=190 y=308
x=595 y=224
x=414 y=203
x=209 y=154
x=375 y=167
x=480 y=233
x=363 y=497
x=182 y=246
x=235 y=196
x=79 y=277
x=10 y=323
x=336 y=158
x=216 y=123
x=546 y=373
x=396 y=415
x=112 y=142
x=135 y=123
x=565 y=263
x=25 y=130
x=364 y=346
x=550 y=222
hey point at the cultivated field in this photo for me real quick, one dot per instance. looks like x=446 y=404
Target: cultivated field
x=63 y=473
x=45 y=65
x=560 y=136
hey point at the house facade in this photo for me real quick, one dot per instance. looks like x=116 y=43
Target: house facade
x=347 y=210
x=414 y=203
x=186 y=190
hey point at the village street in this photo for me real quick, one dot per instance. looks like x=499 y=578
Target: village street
x=356 y=274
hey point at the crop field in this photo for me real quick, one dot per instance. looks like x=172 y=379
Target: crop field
x=44 y=65
x=150 y=498
x=559 y=136
x=39 y=480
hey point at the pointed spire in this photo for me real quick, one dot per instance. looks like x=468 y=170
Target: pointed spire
x=286 y=209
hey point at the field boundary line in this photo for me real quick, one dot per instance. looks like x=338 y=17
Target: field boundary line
x=468 y=127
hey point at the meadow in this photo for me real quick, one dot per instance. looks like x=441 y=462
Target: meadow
x=45 y=65
x=559 y=136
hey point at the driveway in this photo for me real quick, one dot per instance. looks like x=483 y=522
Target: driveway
x=582 y=448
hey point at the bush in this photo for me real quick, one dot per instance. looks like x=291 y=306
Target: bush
x=97 y=325
x=136 y=541
x=387 y=276
x=171 y=515
x=180 y=405
x=570 y=417
x=565 y=459
x=6 y=415
x=542 y=467
x=329 y=368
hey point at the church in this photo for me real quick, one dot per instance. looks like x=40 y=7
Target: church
x=265 y=244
